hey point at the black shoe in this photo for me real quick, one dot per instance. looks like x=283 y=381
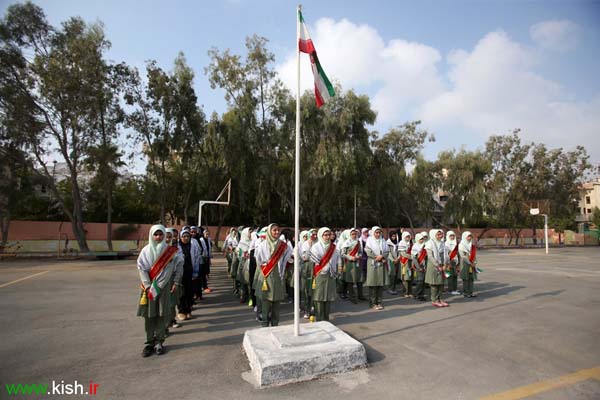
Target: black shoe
x=147 y=352
x=159 y=349
x=422 y=298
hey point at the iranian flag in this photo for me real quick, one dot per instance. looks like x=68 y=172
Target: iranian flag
x=153 y=291
x=323 y=88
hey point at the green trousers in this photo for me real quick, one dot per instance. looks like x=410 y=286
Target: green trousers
x=308 y=303
x=155 y=330
x=394 y=275
x=420 y=289
x=452 y=283
x=375 y=295
x=436 y=292
x=322 y=310
x=468 y=286
x=270 y=313
x=340 y=286
x=407 y=287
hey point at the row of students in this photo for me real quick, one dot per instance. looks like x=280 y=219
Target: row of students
x=174 y=272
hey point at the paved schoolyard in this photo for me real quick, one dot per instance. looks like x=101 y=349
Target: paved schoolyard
x=537 y=318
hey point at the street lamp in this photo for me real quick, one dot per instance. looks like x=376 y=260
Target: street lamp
x=536 y=211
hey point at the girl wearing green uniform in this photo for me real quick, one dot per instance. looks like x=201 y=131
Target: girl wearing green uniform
x=434 y=276
x=451 y=250
x=419 y=263
x=468 y=263
x=243 y=270
x=377 y=273
x=272 y=289
x=351 y=253
x=404 y=250
x=326 y=258
x=307 y=272
x=393 y=262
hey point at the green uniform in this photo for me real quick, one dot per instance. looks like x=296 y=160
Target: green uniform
x=377 y=272
x=351 y=270
x=468 y=273
x=393 y=266
x=325 y=283
x=273 y=292
x=406 y=267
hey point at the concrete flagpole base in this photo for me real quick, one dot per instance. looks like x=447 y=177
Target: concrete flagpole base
x=277 y=357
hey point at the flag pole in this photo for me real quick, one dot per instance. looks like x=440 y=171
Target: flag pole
x=297 y=189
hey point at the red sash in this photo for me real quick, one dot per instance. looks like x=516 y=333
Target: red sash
x=454 y=252
x=404 y=260
x=354 y=250
x=275 y=257
x=324 y=260
x=422 y=255
x=473 y=253
x=164 y=259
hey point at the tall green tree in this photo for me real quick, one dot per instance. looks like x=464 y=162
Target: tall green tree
x=56 y=71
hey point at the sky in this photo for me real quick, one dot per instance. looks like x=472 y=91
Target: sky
x=467 y=69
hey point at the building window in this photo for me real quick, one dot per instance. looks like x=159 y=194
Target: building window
x=589 y=210
x=587 y=200
x=443 y=198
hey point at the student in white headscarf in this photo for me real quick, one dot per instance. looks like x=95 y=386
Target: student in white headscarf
x=468 y=263
x=171 y=240
x=243 y=276
x=419 y=262
x=377 y=272
x=452 y=260
x=393 y=261
x=326 y=258
x=404 y=251
x=351 y=253
x=156 y=264
x=230 y=243
x=434 y=276
x=276 y=253
x=261 y=236
x=307 y=272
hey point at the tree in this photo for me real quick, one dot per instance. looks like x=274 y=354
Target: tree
x=465 y=175
x=55 y=71
x=168 y=123
x=595 y=220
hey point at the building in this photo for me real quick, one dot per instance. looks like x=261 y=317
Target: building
x=589 y=198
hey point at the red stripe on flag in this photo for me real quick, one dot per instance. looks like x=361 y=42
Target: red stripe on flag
x=306 y=46
x=318 y=97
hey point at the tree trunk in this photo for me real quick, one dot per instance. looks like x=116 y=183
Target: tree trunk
x=77 y=221
x=109 y=218
x=4 y=224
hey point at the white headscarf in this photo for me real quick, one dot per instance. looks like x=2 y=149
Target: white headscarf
x=378 y=246
x=324 y=243
x=245 y=240
x=466 y=245
x=417 y=246
x=435 y=245
x=152 y=250
x=349 y=242
x=404 y=244
x=450 y=243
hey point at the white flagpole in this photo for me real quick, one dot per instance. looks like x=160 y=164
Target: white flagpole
x=297 y=190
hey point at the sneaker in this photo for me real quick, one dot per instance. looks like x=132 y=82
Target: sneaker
x=159 y=349
x=181 y=317
x=438 y=305
x=255 y=309
x=208 y=290
x=444 y=304
x=306 y=316
x=380 y=306
x=455 y=292
x=188 y=316
x=147 y=352
x=176 y=325
x=392 y=292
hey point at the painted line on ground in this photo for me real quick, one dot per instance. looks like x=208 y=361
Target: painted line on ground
x=22 y=279
x=547 y=385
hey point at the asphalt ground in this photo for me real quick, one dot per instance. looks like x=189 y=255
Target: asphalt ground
x=533 y=332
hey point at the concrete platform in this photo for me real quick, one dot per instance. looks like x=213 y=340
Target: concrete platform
x=277 y=357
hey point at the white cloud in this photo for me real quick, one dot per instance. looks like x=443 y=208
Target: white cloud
x=491 y=89
x=560 y=35
x=357 y=57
